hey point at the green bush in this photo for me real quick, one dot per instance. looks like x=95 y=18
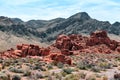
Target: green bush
x=63 y=73
x=105 y=65
x=95 y=69
x=82 y=66
x=60 y=65
x=68 y=70
x=49 y=66
x=13 y=69
x=27 y=73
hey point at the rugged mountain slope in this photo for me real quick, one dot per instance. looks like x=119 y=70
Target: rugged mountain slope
x=78 y=23
x=115 y=29
x=48 y=30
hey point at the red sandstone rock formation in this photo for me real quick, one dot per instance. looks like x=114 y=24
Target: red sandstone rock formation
x=34 y=50
x=63 y=42
x=92 y=44
x=61 y=58
x=98 y=42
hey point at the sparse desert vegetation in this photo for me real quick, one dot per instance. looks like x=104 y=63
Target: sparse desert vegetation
x=85 y=69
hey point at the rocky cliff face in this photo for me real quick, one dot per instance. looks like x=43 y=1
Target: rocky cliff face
x=48 y=30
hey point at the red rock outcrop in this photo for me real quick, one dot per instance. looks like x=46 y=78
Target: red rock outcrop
x=98 y=42
x=61 y=58
x=63 y=42
x=98 y=37
x=34 y=50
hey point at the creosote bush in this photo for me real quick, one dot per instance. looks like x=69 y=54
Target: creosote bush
x=13 y=69
x=95 y=69
x=60 y=65
x=68 y=70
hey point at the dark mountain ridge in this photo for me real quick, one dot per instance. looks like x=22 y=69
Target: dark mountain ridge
x=48 y=30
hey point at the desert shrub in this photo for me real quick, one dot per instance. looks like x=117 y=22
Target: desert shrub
x=4 y=76
x=49 y=66
x=105 y=65
x=63 y=73
x=36 y=75
x=6 y=63
x=39 y=67
x=68 y=70
x=118 y=58
x=81 y=65
x=13 y=69
x=27 y=73
x=84 y=64
x=43 y=68
x=58 y=76
x=72 y=77
x=16 y=77
x=35 y=67
x=60 y=65
x=95 y=69
x=1 y=61
x=74 y=63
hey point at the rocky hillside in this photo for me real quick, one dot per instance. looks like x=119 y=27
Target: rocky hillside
x=47 y=30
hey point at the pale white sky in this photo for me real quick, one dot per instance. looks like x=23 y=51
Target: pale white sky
x=104 y=10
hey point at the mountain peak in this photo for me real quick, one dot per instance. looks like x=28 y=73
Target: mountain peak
x=81 y=16
x=116 y=24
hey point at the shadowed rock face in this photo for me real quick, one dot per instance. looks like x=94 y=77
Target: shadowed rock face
x=98 y=42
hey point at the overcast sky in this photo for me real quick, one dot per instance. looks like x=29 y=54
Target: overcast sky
x=105 y=10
